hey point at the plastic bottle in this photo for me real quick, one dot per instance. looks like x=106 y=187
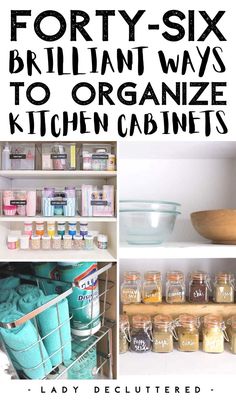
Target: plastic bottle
x=6 y=161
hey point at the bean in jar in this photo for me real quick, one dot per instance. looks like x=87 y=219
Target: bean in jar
x=131 y=288
x=124 y=334
x=140 y=334
x=175 y=287
x=213 y=334
x=199 y=287
x=224 y=288
x=162 y=334
x=188 y=333
x=152 y=288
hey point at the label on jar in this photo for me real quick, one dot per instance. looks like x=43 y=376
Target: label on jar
x=17 y=156
x=99 y=202
x=58 y=202
x=140 y=345
x=57 y=156
x=18 y=202
x=100 y=156
x=162 y=343
x=198 y=293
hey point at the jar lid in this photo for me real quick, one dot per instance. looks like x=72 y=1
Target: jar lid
x=174 y=276
x=124 y=321
x=152 y=276
x=132 y=276
x=40 y=222
x=102 y=238
x=27 y=223
x=187 y=320
x=46 y=237
x=199 y=275
x=78 y=237
x=35 y=237
x=57 y=237
x=24 y=236
x=213 y=320
x=51 y=222
x=67 y=236
x=88 y=237
x=224 y=277
x=12 y=238
x=72 y=223
x=61 y=222
x=141 y=321
x=101 y=150
x=162 y=321
x=83 y=223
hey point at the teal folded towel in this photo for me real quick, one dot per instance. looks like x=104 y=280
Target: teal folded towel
x=28 y=302
x=26 y=348
x=9 y=283
x=9 y=296
x=50 y=320
x=24 y=289
x=5 y=308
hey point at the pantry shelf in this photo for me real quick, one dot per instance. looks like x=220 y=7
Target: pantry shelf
x=59 y=218
x=37 y=174
x=177 y=309
x=177 y=250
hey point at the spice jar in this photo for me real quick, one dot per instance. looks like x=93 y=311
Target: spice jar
x=131 y=288
x=232 y=333
x=61 y=228
x=39 y=228
x=141 y=333
x=163 y=332
x=175 y=287
x=67 y=241
x=78 y=242
x=124 y=334
x=51 y=228
x=102 y=241
x=152 y=288
x=83 y=228
x=188 y=333
x=35 y=242
x=72 y=228
x=28 y=228
x=88 y=242
x=56 y=242
x=199 y=287
x=46 y=242
x=224 y=287
x=12 y=242
x=213 y=334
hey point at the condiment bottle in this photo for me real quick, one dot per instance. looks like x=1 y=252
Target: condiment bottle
x=131 y=288
x=124 y=334
x=152 y=288
x=188 y=333
x=232 y=333
x=199 y=287
x=224 y=287
x=141 y=333
x=213 y=334
x=175 y=287
x=163 y=332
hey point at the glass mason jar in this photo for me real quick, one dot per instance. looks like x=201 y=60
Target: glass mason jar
x=188 y=333
x=141 y=333
x=131 y=288
x=175 y=287
x=199 y=287
x=152 y=288
x=232 y=333
x=163 y=332
x=124 y=334
x=214 y=334
x=224 y=287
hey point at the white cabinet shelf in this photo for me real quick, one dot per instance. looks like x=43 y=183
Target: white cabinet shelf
x=38 y=174
x=9 y=219
x=177 y=250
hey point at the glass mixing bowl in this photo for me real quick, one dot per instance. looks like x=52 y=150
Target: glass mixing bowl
x=148 y=205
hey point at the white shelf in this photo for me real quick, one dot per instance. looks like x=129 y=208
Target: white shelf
x=13 y=174
x=177 y=250
x=99 y=255
x=177 y=363
x=58 y=218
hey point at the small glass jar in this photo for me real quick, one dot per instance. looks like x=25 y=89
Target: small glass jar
x=56 y=242
x=83 y=228
x=199 y=287
x=224 y=288
x=162 y=334
x=61 y=228
x=39 y=228
x=102 y=241
x=35 y=242
x=213 y=334
x=12 y=242
x=88 y=242
x=67 y=241
x=152 y=288
x=124 y=334
x=188 y=333
x=141 y=333
x=78 y=242
x=28 y=228
x=175 y=287
x=51 y=228
x=24 y=242
x=72 y=228
x=131 y=288
x=46 y=242
x=232 y=333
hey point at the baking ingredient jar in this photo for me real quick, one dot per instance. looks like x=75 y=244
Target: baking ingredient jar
x=46 y=242
x=175 y=287
x=124 y=334
x=99 y=160
x=69 y=209
x=56 y=242
x=214 y=334
x=35 y=242
x=12 y=242
x=232 y=333
x=87 y=161
x=111 y=162
x=47 y=199
x=72 y=228
x=88 y=242
x=163 y=333
x=67 y=241
x=83 y=228
x=78 y=242
x=152 y=288
x=28 y=228
x=61 y=228
x=188 y=333
x=39 y=229
x=51 y=228
x=141 y=333
x=24 y=242
x=224 y=287
x=199 y=287
x=102 y=241
x=131 y=288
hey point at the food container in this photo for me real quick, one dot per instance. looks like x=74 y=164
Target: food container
x=67 y=241
x=97 y=202
x=98 y=157
x=175 y=287
x=188 y=333
x=224 y=288
x=46 y=242
x=58 y=156
x=57 y=202
x=35 y=242
x=146 y=227
x=124 y=334
x=131 y=288
x=102 y=241
x=18 y=202
x=56 y=242
x=88 y=242
x=199 y=287
x=78 y=242
x=24 y=242
x=141 y=333
x=12 y=242
x=152 y=288
x=163 y=333
x=214 y=334
x=18 y=156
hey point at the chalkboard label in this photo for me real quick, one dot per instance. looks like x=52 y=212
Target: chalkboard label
x=18 y=202
x=17 y=156
x=57 y=156
x=99 y=203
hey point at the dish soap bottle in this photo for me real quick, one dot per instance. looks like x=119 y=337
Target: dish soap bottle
x=6 y=161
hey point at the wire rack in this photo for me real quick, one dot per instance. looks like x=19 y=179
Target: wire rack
x=81 y=346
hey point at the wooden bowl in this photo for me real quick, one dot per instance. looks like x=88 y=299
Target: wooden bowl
x=217 y=225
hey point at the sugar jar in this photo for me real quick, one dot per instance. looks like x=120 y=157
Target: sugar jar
x=214 y=334
x=131 y=288
x=163 y=332
x=152 y=288
x=199 y=287
x=175 y=287
x=188 y=333
x=224 y=288
x=124 y=334
x=141 y=333
x=232 y=333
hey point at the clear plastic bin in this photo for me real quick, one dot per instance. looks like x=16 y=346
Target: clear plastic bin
x=59 y=156
x=18 y=202
x=18 y=156
x=97 y=202
x=97 y=157
x=56 y=202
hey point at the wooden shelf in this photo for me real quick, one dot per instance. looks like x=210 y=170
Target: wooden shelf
x=176 y=309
